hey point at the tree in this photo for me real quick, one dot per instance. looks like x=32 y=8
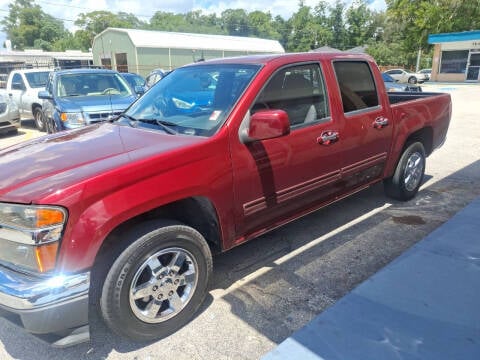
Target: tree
x=235 y=21
x=27 y=26
x=360 y=23
x=337 y=25
x=95 y=22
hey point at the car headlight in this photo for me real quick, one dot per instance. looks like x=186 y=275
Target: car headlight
x=30 y=235
x=72 y=118
x=181 y=104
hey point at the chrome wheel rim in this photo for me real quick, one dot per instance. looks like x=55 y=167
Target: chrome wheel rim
x=163 y=285
x=413 y=171
x=38 y=119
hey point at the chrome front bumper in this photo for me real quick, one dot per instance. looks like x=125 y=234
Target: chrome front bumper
x=45 y=305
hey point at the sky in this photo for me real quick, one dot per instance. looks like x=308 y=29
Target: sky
x=68 y=10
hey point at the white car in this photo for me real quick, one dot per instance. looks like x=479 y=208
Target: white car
x=9 y=115
x=403 y=76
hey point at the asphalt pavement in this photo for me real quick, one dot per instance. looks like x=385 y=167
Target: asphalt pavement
x=265 y=290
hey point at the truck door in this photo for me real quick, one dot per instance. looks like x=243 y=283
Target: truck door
x=367 y=132
x=277 y=178
x=17 y=90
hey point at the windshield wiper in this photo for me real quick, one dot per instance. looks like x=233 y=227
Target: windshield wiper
x=131 y=119
x=165 y=125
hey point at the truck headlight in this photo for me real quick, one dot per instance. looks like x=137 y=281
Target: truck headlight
x=30 y=235
x=72 y=118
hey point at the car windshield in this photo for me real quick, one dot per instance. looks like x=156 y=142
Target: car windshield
x=37 y=79
x=193 y=100
x=387 y=78
x=134 y=79
x=92 y=84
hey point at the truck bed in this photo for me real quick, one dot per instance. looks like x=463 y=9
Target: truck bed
x=398 y=97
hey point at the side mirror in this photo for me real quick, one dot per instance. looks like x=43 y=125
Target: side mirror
x=45 y=95
x=267 y=124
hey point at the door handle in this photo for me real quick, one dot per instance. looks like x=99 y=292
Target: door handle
x=380 y=122
x=328 y=137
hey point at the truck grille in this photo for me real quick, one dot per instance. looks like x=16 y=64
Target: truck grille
x=102 y=116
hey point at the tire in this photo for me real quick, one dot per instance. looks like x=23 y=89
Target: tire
x=158 y=281
x=412 y=80
x=39 y=119
x=408 y=176
x=50 y=126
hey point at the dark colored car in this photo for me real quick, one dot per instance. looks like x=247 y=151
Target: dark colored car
x=392 y=86
x=134 y=80
x=75 y=98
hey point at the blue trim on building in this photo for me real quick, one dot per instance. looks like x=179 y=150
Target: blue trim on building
x=453 y=37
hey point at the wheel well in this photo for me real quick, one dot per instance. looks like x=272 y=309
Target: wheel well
x=34 y=106
x=196 y=212
x=425 y=136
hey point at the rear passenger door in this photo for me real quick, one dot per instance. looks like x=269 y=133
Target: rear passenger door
x=367 y=132
x=279 y=177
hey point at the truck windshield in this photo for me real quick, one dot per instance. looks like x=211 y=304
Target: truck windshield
x=193 y=100
x=91 y=84
x=37 y=79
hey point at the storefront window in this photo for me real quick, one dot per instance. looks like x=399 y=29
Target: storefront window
x=454 y=62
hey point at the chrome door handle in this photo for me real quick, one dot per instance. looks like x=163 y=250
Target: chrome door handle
x=328 y=137
x=380 y=122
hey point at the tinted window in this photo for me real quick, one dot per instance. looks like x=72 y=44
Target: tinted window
x=356 y=84
x=37 y=79
x=454 y=62
x=299 y=91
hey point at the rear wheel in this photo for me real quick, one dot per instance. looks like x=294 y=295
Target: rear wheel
x=408 y=176
x=158 y=281
x=39 y=119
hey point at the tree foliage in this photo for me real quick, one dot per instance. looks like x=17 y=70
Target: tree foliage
x=27 y=26
x=393 y=36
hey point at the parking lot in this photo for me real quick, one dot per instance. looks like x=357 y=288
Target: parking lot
x=264 y=290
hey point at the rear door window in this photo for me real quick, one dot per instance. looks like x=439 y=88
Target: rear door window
x=356 y=84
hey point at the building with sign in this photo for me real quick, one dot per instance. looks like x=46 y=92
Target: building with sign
x=141 y=51
x=456 y=57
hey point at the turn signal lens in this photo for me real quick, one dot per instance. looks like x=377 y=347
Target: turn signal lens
x=46 y=256
x=48 y=217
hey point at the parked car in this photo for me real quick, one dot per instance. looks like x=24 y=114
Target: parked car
x=392 y=86
x=9 y=114
x=155 y=76
x=427 y=72
x=404 y=76
x=126 y=214
x=75 y=98
x=24 y=86
x=136 y=81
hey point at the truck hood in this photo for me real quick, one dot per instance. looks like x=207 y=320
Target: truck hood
x=94 y=103
x=36 y=169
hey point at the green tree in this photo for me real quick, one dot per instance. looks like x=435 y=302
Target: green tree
x=235 y=21
x=361 y=23
x=27 y=26
x=95 y=22
x=262 y=25
x=337 y=25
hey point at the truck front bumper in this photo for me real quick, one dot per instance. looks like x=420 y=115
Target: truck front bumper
x=44 y=305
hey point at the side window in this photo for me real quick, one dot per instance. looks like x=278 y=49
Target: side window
x=356 y=84
x=299 y=91
x=17 y=82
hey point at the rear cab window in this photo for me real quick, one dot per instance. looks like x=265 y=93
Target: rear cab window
x=357 y=86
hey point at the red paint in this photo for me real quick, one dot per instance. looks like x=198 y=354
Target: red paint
x=107 y=174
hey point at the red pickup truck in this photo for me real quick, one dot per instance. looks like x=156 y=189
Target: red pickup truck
x=126 y=214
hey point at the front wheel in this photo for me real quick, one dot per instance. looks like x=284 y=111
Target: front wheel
x=39 y=119
x=412 y=80
x=158 y=282
x=408 y=176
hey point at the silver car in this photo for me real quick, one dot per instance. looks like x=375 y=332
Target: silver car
x=9 y=114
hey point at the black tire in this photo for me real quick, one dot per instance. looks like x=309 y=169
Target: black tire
x=143 y=297
x=408 y=176
x=412 y=80
x=50 y=126
x=39 y=118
